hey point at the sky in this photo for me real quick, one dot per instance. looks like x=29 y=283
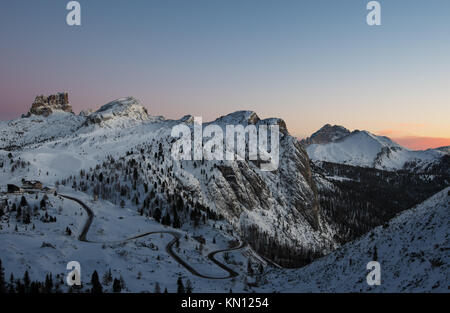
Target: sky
x=310 y=62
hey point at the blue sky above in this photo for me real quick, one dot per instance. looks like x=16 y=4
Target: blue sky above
x=309 y=62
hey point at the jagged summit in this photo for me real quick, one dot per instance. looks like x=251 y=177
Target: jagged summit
x=250 y=118
x=239 y=117
x=45 y=105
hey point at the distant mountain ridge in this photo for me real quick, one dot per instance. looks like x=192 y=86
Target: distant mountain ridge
x=337 y=144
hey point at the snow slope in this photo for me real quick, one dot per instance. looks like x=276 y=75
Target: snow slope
x=412 y=249
x=118 y=113
x=141 y=263
x=237 y=190
x=37 y=129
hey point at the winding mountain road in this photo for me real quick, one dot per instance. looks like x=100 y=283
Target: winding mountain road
x=169 y=247
x=90 y=213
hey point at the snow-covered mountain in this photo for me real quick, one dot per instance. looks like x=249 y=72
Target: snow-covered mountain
x=37 y=129
x=412 y=250
x=125 y=110
x=118 y=161
x=279 y=207
x=361 y=148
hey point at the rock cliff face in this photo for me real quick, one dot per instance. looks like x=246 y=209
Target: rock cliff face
x=45 y=105
x=277 y=212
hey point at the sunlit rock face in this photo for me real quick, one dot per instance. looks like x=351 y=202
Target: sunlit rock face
x=45 y=105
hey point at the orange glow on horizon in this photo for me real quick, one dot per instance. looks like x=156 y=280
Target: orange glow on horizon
x=407 y=135
x=422 y=143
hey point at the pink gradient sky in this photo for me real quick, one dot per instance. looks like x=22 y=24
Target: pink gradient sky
x=308 y=62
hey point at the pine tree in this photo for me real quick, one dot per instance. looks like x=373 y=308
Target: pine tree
x=26 y=281
x=157 y=288
x=180 y=286
x=27 y=218
x=260 y=269
x=23 y=202
x=189 y=287
x=157 y=215
x=48 y=283
x=20 y=287
x=35 y=287
x=176 y=220
x=43 y=204
x=249 y=268
x=2 y=278
x=96 y=286
x=166 y=219
x=117 y=286
x=107 y=277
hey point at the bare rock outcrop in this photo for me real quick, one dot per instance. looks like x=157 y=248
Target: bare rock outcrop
x=45 y=105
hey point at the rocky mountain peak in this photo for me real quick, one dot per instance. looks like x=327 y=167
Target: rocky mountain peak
x=239 y=117
x=45 y=105
x=328 y=133
x=251 y=118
